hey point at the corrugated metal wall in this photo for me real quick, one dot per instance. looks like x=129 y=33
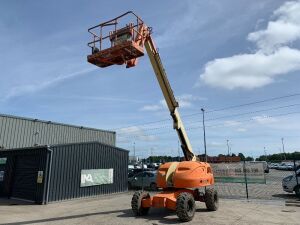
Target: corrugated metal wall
x=69 y=160
x=18 y=132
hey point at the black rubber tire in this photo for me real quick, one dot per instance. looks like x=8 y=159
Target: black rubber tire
x=297 y=190
x=136 y=203
x=211 y=199
x=153 y=187
x=185 y=206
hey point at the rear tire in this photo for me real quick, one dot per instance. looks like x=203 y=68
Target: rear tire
x=211 y=199
x=136 y=203
x=185 y=206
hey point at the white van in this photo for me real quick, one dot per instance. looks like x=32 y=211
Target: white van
x=289 y=183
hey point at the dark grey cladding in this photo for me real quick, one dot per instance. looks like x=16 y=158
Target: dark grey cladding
x=61 y=167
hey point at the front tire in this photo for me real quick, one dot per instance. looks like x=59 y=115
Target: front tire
x=211 y=199
x=185 y=206
x=136 y=203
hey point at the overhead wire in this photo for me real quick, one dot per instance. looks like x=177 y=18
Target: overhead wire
x=214 y=110
x=217 y=118
x=211 y=126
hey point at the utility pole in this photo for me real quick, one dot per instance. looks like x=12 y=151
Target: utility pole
x=265 y=154
x=204 y=134
x=283 y=148
x=228 y=147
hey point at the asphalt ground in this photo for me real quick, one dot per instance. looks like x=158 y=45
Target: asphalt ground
x=116 y=209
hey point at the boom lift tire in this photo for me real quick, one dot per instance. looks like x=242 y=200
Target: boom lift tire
x=185 y=206
x=211 y=199
x=136 y=203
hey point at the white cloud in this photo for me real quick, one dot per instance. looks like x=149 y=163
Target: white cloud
x=241 y=129
x=214 y=144
x=135 y=132
x=271 y=59
x=151 y=108
x=264 y=119
x=31 y=88
x=251 y=70
x=232 y=123
x=185 y=101
x=284 y=30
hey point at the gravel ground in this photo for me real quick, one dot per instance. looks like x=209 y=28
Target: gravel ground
x=115 y=209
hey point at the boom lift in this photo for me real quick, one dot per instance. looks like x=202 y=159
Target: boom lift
x=180 y=181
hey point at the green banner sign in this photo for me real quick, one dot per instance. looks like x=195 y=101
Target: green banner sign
x=3 y=161
x=96 y=177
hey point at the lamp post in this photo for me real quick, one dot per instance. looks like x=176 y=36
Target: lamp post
x=204 y=134
x=265 y=154
x=283 y=148
x=227 y=147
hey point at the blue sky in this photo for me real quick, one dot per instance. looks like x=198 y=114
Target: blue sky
x=216 y=54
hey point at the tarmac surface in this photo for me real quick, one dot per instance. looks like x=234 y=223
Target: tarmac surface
x=116 y=209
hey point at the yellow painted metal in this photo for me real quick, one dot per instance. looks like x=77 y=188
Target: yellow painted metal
x=170 y=98
x=170 y=173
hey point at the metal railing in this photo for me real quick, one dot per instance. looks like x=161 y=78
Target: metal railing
x=99 y=36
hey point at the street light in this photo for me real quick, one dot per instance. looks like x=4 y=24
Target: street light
x=283 y=149
x=204 y=137
x=227 y=147
x=265 y=154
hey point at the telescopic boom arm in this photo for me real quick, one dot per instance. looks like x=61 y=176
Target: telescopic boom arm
x=169 y=97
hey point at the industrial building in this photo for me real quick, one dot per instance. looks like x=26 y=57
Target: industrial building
x=43 y=161
x=45 y=174
x=19 y=132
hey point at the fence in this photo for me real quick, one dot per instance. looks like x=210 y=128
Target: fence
x=251 y=181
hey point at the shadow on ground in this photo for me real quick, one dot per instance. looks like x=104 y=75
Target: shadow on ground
x=285 y=196
x=12 y=202
x=161 y=215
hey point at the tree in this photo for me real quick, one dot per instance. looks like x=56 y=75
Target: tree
x=248 y=158
x=241 y=155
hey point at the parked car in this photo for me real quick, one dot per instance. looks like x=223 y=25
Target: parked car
x=290 y=184
x=146 y=179
x=286 y=166
x=273 y=165
x=132 y=172
x=130 y=167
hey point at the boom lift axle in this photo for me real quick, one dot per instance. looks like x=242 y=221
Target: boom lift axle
x=180 y=181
